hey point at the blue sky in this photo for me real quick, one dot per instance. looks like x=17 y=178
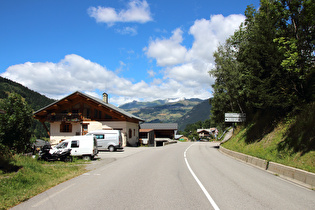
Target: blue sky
x=132 y=49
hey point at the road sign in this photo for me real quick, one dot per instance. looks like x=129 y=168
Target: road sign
x=235 y=115
x=235 y=119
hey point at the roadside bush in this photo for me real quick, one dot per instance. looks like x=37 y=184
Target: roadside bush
x=15 y=125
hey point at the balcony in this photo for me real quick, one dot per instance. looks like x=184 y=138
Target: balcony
x=65 y=117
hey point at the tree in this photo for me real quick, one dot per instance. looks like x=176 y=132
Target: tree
x=267 y=66
x=15 y=124
x=297 y=43
x=260 y=60
x=228 y=87
x=206 y=123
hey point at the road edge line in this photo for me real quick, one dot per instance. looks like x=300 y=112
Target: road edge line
x=214 y=205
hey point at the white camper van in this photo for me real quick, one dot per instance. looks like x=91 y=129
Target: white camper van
x=108 y=139
x=85 y=146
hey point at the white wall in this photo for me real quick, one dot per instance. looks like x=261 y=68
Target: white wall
x=124 y=126
x=93 y=125
x=56 y=136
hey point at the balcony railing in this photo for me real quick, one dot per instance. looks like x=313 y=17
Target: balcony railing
x=70 y=117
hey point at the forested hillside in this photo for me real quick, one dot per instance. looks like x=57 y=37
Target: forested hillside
x=34 y=99
x=200 y=112
x=161 y=110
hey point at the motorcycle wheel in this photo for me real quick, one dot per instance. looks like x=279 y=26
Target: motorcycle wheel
x=68 y=159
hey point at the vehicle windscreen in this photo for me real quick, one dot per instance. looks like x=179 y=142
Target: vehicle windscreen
x=62 y=145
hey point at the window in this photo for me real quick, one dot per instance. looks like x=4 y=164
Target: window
x=108 y=116
x=99 y=136
x=86 y=113
x=100 y=114
x=65 y=127
x=85 y=127
x=143 y=135
x=75 y=111
x=75 y=144
x=95 y=113
x=130 y=133
x=62 y=145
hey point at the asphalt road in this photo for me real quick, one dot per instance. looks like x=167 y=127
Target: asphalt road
x=177 y=176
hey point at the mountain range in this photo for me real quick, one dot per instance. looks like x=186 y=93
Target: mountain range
x=182 y=111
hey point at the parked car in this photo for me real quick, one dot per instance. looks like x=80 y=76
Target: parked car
x=107 y=139
x=83 y=146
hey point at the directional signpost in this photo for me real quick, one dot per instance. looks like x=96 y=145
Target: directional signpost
x=235 y=117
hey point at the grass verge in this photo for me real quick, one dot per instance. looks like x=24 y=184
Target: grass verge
x=290 y=143
x=34 y=177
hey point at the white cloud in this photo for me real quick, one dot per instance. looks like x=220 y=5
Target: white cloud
x=184 y=70
x=70 y=74
x=128 y=30
x=190 y=66
x=209 y=33
x=137 y=11
x=188 y=72
x=75 y=73
x=120 y=68
x=167 y=51
x=151 y=73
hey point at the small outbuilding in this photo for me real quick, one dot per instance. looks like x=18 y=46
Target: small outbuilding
x=207 y=132
x=157 y=134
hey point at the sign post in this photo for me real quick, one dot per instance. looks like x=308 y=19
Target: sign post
x=234 y=118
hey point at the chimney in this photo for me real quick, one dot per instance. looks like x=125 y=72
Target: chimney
x=105 y=98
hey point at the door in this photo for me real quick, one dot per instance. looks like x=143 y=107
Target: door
x=100 y=141
x=84 y=129
x=75 y=148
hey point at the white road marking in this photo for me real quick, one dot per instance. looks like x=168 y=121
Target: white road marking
x=51 y=196
x=88 y=174
x=214 y=205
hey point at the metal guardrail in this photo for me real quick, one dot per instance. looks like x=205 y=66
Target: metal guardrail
x=225 y=132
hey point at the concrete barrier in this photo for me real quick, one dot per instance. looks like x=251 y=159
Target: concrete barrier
x=246 y=158
x=304 y=177
x=299 y=176
x=169 y=142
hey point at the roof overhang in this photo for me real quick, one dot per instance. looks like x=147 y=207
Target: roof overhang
x=98 y=102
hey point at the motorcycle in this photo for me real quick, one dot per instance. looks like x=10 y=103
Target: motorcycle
x=62 y=155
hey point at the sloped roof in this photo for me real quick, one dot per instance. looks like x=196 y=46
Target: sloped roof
x=121 y=111
x=111 y=106
x=206 y=130
x=159 y=126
